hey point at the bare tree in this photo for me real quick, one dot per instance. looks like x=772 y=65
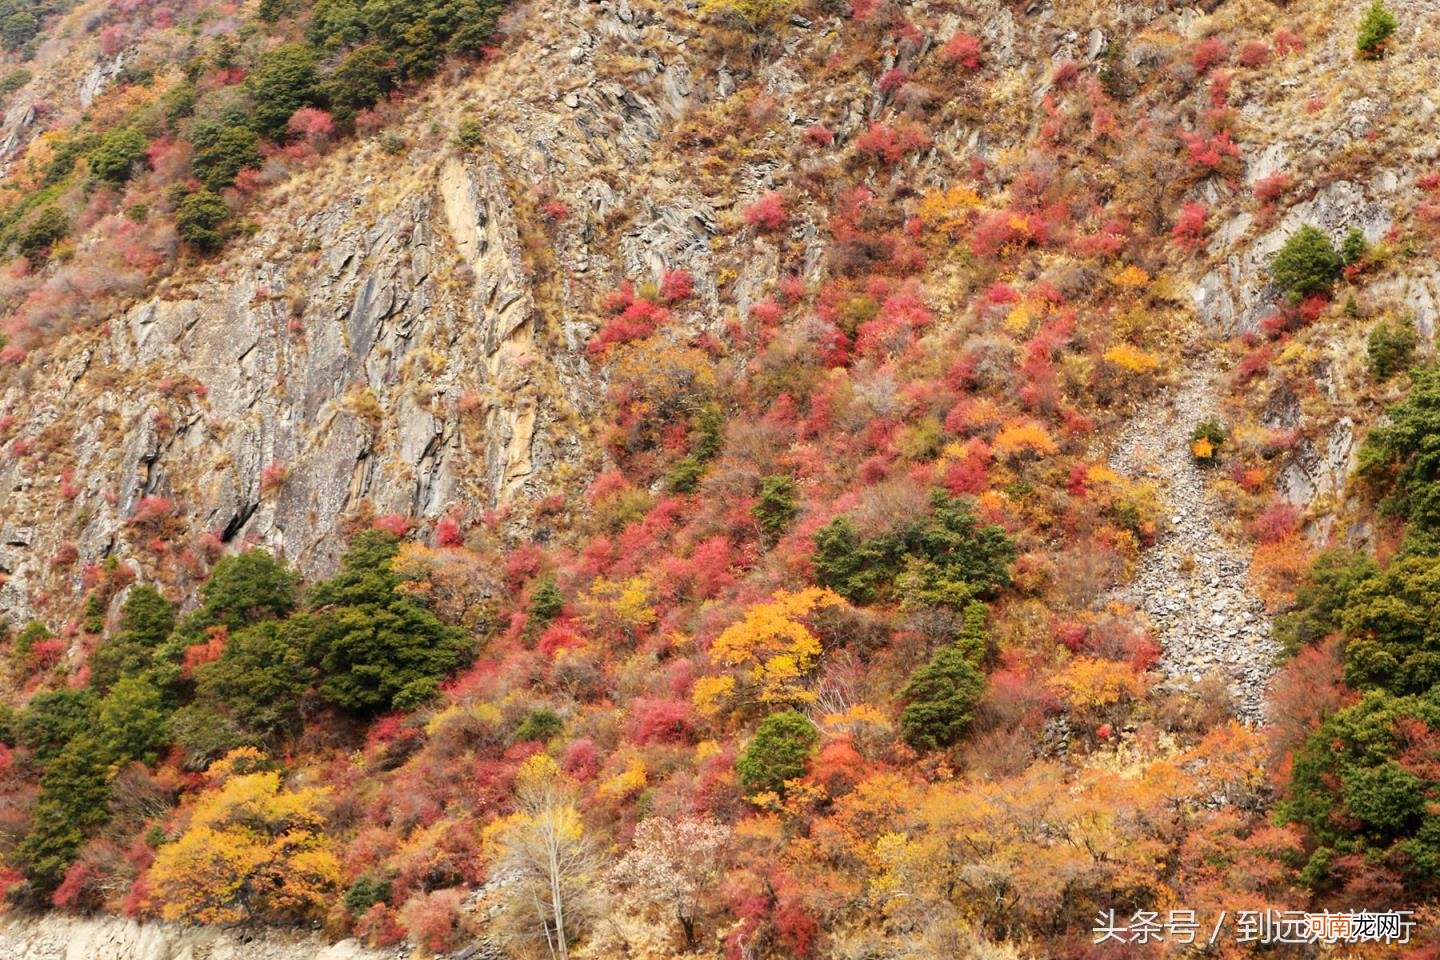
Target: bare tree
x=671 y=864
x=548 y=858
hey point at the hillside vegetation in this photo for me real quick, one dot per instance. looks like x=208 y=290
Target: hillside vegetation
x=754 y=479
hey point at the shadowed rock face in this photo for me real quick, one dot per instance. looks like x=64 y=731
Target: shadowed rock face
x=336 y=345
x=337 y=394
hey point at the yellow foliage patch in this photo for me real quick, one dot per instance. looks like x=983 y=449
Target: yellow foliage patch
x=1088 y=682
x=1131 y=358
x=1131 y=278
x=772 y=647
x=1025 y=436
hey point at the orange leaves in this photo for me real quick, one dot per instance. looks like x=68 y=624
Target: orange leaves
x=1277 y=568
x=1024 y=438
x=251 y=850
x=772 y=648
x=1132 y=359
x=946 y=213
x=1087 y=683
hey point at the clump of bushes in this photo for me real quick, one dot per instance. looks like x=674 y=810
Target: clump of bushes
x=1376 y=28
x=1390 y=348
x=945 y=559
x=780 y=751
x=1307 y=265
x=1206 y=440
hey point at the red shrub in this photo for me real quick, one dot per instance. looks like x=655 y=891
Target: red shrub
x=582 y=759
x=272 y=476
x=767 y=213
x=1065 y=74
x=65 y=555
x=1254 y=362
x=448 y=533
x=430 y=918
x=1208 y=53
x=311 y=124
x=1209 y=151
x=80 y=890
x=795 y=925
x=893 y=79
x=1189 y=230
x=1276 y=522
x=368 y=121
x=1276 y=323
x=767 y=312
x=1256 y=53
x=1287 y=42
x=888 y=144
x=1272 y=188
x=662 y=721
x=560 y=635
x=1220 y=82
x=395 y=523
x=113 y=39
x=379 y=926
x=837 y=767
x=1305 y=691
x=555 y=210
x=962 y=50
x=638 y=321
x=819 y=134
x=46 y=653
x=209 y=651
x=676 y=285
x=792 y=288
x=151 y=509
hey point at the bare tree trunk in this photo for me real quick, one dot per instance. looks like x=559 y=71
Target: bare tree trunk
x=557 y=901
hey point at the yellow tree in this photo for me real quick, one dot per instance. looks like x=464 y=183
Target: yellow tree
x=547 y=857
x=620 y=607
x=772 y=648
x=252 y=851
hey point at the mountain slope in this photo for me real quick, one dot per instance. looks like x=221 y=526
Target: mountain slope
x=825 y=473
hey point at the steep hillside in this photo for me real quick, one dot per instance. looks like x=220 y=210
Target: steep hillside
x=753 y=479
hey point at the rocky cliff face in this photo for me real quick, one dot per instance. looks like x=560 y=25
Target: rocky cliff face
x=404 y=332
x=377 y=346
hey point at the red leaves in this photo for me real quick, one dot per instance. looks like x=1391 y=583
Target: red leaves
x=1189 y=230
x=394 y=523
x=1287 y=42
x=208 y=651
x=1276 y=522
x=272 y=476
x=311 y=124
x=662 y=721
x=632 y=318
x=767 y=213
x=962 y=50
x=1209 y=151
x=819 y=135
x=893 y=79
x=1272 y=188
x=889 y=144
x=676 y=285
x=151 y=510
x=1255 y=53
x=1208 y=53
x=1254 y=362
